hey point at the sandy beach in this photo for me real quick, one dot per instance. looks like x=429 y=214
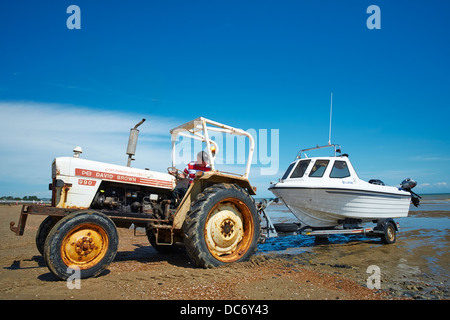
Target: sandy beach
x=140 y=273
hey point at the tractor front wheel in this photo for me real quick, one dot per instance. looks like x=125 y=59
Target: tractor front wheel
x=86 y=241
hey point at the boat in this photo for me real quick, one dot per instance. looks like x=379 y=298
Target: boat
x=325 y=192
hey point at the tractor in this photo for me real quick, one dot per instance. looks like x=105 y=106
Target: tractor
x=214 y=216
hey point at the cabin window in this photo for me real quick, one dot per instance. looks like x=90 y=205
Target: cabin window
x=286 y=174
x=340 y=170
x=319 y=168
x=299 y=171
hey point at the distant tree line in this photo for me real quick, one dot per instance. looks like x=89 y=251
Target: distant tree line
x=26 y=198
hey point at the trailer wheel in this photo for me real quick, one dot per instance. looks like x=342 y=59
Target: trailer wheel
x=86 y=241
x=43 y=231
x=389 y=234
x=223 y=226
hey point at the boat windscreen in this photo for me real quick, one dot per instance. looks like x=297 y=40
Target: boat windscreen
x=286 y=174
x=299 y=171
x=319 y=168
x=340 y=170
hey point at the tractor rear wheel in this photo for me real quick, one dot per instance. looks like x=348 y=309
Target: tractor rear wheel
x=223 y=226
x=86 y=241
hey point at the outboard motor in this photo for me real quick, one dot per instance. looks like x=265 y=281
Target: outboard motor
x=407 y=185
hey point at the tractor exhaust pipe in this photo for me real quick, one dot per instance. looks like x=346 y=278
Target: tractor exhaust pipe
x=132 y=142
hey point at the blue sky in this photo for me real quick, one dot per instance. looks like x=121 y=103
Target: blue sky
x=250 y=64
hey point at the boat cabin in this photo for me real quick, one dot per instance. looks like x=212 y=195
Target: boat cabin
x=335 y=170
x=320 y=167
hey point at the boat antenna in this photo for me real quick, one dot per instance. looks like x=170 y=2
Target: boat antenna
x=331 y=112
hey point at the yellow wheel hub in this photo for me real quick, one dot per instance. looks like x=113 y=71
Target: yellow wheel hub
x=229 y=230
x=224 y=229
x=84 y=246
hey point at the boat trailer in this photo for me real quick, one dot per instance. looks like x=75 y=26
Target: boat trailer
x=386 y=229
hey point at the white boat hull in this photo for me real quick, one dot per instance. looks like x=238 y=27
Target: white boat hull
x=328 y=207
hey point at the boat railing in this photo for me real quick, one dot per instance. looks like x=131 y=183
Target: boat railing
x=337 y=149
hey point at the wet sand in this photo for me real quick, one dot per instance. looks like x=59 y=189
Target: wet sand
x=416 y=266
x=140 y=273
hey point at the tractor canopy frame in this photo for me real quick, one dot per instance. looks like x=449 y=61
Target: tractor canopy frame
x=199 y=128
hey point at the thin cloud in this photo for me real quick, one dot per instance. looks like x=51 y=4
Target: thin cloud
x=430 y=185
x=32 y=134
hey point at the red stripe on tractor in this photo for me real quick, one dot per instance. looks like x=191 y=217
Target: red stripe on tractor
x=122 y=178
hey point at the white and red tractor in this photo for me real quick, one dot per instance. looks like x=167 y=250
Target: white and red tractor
x=216 y=218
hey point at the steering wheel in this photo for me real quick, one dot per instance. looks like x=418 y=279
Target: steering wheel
x=175 y=172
